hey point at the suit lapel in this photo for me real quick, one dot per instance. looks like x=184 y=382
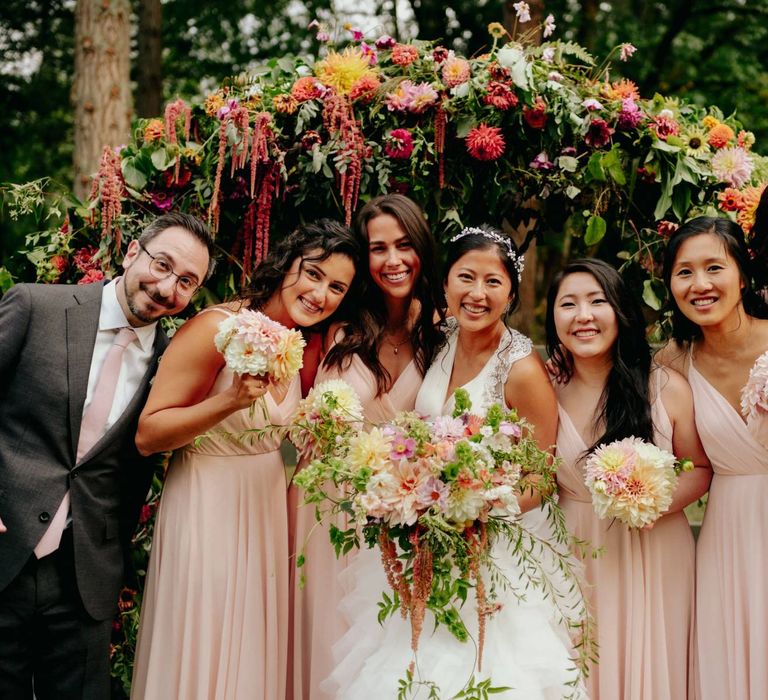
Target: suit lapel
x=82 y=326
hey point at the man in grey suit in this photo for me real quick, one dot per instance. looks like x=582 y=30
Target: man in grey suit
x=71 y=479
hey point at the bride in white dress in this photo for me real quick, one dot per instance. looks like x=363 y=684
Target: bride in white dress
x=527 y=648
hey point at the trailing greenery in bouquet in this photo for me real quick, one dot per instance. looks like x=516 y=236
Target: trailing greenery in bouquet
x=524 y=129
x=434 y=497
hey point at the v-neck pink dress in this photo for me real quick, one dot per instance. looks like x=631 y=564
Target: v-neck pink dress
x=641 y=589
x=732 y=552
x=214 y=619
x=316 y=623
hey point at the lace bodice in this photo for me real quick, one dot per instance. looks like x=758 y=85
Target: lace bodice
x=485 y=389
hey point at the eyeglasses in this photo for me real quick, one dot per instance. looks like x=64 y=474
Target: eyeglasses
x=161 y=269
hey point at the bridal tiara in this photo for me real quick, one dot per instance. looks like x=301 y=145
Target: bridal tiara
x=518 y=261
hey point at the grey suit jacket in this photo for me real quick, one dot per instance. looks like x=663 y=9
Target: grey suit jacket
x=47 y=334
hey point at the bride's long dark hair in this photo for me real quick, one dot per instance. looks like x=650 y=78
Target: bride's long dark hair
x=625 y=403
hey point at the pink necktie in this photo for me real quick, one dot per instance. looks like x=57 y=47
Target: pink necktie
x=91 y=430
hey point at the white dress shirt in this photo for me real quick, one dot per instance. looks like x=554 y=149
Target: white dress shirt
x=135 y=359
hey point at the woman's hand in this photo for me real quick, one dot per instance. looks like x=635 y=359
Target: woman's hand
x=247 y=388
x=3 y=528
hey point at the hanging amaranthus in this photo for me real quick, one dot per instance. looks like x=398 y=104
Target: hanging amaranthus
x=393 y=568
x=173 y=111
x=440 y=123
x=109 y=187
x=257 y=218
x=262 y=133
x=237 y=116
x=422 y=586
x=339 y=120
x=479 y=545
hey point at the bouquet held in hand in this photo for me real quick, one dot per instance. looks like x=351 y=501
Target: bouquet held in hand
x=434 y=496
x=632 y=480
x=252 y=343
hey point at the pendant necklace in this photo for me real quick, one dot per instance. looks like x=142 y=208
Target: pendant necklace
x=396 y=346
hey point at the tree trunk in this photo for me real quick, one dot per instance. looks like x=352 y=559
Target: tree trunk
x=149 y=69
x=102 y=88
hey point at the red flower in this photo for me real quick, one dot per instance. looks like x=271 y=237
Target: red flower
x=309 y=139
x=439 y=54
x=485 y=142
x=91 y=275
x=83 y=258
x=500 y=95
x=184 y=177
x=664 y=127
x=666 y=228
x=404 y=54
x=145 y=514
x=536 y=116
x=162 y=200
x=59 y=263
x=364 y=89
x=399 y=144
x=731 y=199
x=598 y=134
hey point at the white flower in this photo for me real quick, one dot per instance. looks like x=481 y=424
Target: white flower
x=523 y=11
x=346 y=398
x=592 y=104
x=626 y=50
x=549 y=26
x=514 y=59
x=732 y=166
x=548 y=55
x=503 y=500
x=464 y=504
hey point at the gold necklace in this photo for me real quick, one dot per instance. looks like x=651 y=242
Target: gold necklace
x=396 y=346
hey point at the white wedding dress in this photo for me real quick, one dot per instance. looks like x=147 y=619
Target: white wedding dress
x=526 y=645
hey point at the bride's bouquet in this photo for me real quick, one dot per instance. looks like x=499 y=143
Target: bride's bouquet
x=632 y=480
x=754 y=400
x=252 y=343
x=434 y=496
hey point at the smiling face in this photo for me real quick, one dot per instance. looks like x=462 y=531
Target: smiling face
x=705 y=281
x=478 y=289
x=143 y=298
x=312 y=289
x=392 y=260
x=585 y=322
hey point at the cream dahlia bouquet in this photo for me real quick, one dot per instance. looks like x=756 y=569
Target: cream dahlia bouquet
x=754 y=400
x=252 y=343
x=632 y=480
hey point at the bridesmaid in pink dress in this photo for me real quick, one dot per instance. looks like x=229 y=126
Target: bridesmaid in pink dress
x=720 y=340
x=383 y=353
x=641 y=589
x=214 y=619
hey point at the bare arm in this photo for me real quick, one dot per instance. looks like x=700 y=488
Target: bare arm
x=529 y=390
x=678 y=401
x=177 y=409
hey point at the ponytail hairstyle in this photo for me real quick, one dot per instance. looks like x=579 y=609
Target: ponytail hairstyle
x=683 y=329
x=625 y=404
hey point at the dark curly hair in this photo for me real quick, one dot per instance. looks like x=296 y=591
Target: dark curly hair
x=312 y=242
x=625 y=404
x=683 y=329
x=364 y=332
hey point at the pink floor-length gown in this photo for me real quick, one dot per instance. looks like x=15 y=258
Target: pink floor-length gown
x=317 y=623
x=732 y=553
x=641 y=590
x=214 y=621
